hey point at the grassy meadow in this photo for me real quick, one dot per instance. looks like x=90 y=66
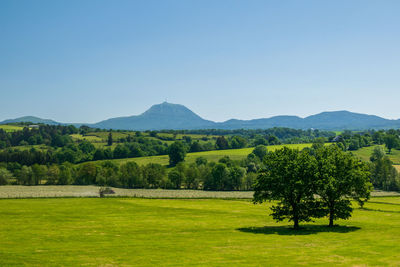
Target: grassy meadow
x=214 y=155
x=173 y=232
x=366 y=152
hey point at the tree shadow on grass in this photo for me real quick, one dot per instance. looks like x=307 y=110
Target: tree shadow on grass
x=384 y=203
x=304 y=230
x=379 y=210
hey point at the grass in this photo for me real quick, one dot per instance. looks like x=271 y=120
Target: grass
x=215 y=155
x=115 y=135
x=366 y=152
x=11 y=128
x=148 y=232
x=28 y=147
x=90 y=138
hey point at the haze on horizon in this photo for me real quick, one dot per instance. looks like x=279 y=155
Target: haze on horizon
x=85 y=61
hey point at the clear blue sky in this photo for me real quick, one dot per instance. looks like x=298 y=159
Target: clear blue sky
x=84 y=61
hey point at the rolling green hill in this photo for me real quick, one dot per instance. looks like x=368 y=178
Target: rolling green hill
x=214 y=155
x=366 y=152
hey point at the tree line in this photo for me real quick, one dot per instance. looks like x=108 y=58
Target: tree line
x=225 y=174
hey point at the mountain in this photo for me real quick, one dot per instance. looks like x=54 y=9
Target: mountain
x=348 y=120
x=30 y=119
x=178 y=117
x=158 y=117
x=333 y=120
x=277 y=121
x=173 y=116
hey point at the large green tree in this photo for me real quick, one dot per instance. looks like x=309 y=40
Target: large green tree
x=288 y=178
x=340 y=177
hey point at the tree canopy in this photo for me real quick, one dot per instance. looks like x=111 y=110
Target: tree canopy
x=312 y=183
x=176 y=153
x=340 y=176
x=288 y=177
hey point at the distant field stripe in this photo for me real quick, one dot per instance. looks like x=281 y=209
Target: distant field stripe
x=49 y=191
x=11 y=128
x=366 y=152
x=397 y=167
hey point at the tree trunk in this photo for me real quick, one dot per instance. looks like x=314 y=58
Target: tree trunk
x=296 y=223
x=331 y=213
x=295 y=217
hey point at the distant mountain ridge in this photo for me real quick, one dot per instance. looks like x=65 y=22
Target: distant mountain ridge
x=166 y=116
x=32 y=119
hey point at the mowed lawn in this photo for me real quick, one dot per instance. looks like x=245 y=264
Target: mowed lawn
x=161 y=232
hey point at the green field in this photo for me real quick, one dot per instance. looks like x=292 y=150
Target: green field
x=90 y=138
x=365 y=153
x=214 y=155
x=148 y=232
x=11 y=128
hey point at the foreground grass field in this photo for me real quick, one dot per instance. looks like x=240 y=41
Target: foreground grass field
x=146 y=232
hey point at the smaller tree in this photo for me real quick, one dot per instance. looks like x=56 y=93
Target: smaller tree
x=25 y=176
x=110 y=139
x=53 y=174
x=384 y=175
x=341 y=176
x=318 y=143
x=5 y=176
x=176 y=153
x=175 y=178
x=65 y=176
x=153 y=175
x=391 y=141
x=221 y=143
x=260 y=151
x=192 y=177
x=130 y=175
x=38 y=172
